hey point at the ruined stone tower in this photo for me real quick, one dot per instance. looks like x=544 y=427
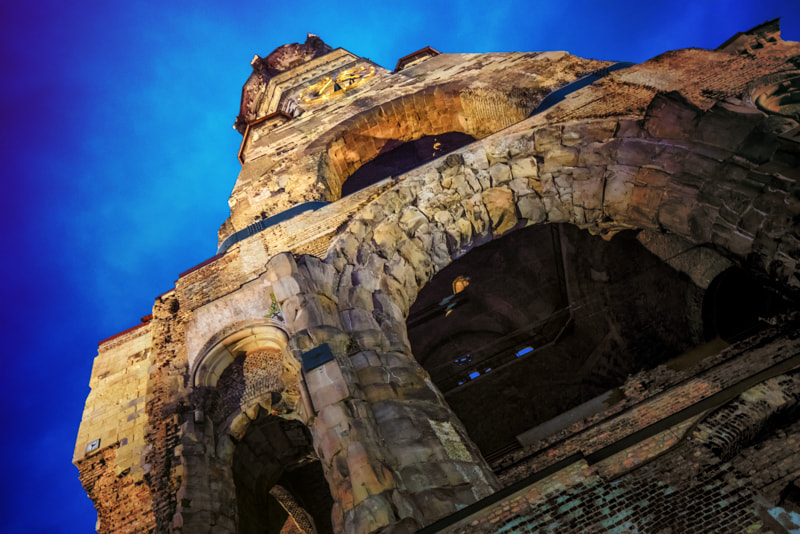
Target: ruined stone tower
x=478 y=293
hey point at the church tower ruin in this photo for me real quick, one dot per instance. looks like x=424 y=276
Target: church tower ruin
x=478 y=293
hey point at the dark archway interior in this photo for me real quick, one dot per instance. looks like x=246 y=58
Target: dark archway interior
x=529 y=326
x=307 y=483
x=736 y=303
x=276 y=451
x=551 y=318
x=397 y=157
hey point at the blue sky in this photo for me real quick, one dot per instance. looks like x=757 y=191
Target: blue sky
x=119 y=157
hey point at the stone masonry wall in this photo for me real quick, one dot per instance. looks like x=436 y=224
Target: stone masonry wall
x=649 y=397
x=675 y=481
x=384 y=467
x=138 y=390
x=663 y=171
x=672 y=146
x=686 y=491
x=308 y=157
x=166 y=408
x=112 y=472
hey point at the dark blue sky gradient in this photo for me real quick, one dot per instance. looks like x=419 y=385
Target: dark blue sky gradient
x=119 y=157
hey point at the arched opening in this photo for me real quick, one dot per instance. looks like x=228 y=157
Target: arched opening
x=249 y=397
x=550 y=318
x=280 y=487
x=737 y=304
x=448 y=115
x=396 y=158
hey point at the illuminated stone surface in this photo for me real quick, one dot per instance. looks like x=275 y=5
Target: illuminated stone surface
x=562 y=347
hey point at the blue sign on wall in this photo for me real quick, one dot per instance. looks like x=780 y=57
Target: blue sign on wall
x=316 y=357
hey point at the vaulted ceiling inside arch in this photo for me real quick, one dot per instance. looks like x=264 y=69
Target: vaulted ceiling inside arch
x=537 y=322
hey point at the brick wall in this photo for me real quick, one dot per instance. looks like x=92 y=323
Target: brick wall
x=679 y=480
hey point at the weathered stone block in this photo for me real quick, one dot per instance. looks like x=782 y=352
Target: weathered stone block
x=386 y=307
x=396 y=291
x=417 y=260
x=500 y=173
x=476 y=214
x=727 y=125
x=370 y=340
x=521 y=187
x=674 y=216
x=346 y=246
x=378 y=392
x=588 y=131
x=304 y=311
x=421 y=477
x=335 y=415
x=475 y=157
x=524 y=167
x=411 y=219
x=239 y=426
x=371 y=515
x=547 y=138
x=319 y=276
x=588 y=193
x=531 y=208
x=637 y=152
x=396 y=335
x=598 y=153
x=557 y=212
x=558 y=157
x=326 y=385
x=363 y=359
x=355 y=297
x=466 y=183
x=369 y=376
x=500 y=208
x=670 y=116
x=285 y=287
x=415 y=452
x=281 y=265
x=367 y=277
x=629 y=127
x=497 y=152
x=357 y=319
x=618 y=190
x=440 y=253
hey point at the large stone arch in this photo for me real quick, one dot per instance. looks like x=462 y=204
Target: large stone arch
x=393 y=454
x=477 y=112
x=720 y=178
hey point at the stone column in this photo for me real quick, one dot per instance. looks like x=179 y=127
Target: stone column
x=394 y=454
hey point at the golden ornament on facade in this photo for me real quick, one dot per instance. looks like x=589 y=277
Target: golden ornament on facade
x=333 y=86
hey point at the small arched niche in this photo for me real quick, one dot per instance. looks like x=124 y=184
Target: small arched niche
x=249 y=338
